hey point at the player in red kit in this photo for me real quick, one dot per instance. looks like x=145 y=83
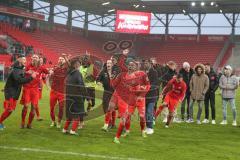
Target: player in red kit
x=140 y=91
x=42 y=81
x=57 y=80
x=175 y=93
x=128 y=87
x=30 y=93
x=13 y=87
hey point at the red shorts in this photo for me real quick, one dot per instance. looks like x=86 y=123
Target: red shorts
x=140 y=105
x=10 y=104
x=30 y=95
x=171 y=102
x=122 y=107
x=56 y=97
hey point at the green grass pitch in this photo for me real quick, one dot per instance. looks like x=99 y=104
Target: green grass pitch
x=179 y=142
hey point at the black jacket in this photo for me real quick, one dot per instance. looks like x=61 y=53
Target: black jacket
x=213 y=81
x=166 y=75
x=152 y=94
x=15 y=81
x=159 y=69
x=75 y=94
x=187 y=77
x=104 y=78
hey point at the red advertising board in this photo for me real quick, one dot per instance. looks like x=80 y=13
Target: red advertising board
x=133 y=22
x=22 y=13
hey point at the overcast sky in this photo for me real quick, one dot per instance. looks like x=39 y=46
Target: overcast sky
x=209 y=25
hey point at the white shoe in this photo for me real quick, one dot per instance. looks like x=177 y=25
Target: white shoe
x=73 y=133
x=149 y=131
x=205 y=121
x=199 y=122
x=176 y=120
x=105 y=128
x=165 y=120
x=213 y=122
x=58 y=125
x=154 y=123
x=64 y=131
x=224 y=122
x=234 y=123
x=166 y=126
x=53 y=124
x=190 y=121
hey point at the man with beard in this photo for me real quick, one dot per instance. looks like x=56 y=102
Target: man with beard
x=13 y=87
x=30 y=93
x=130 y=89
x=57 y=79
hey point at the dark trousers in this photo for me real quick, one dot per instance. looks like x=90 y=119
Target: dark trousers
x=183 y=106
x=91 y=94
x=209 y=97
x=106 y=99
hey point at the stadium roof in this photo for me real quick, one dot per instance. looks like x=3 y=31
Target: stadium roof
x=155 y=6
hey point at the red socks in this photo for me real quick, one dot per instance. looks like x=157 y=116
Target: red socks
x=120 y=129
x=159 y=110
x=24 y=113
x=142 y=123
x=60 y=112
x=114 y=114
x=75 y=125
x=128 y=123
x=4 y=115
x=37 y=111
x=67 y=123
x=31 y=117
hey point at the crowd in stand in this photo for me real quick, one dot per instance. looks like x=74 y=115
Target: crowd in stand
x=129 y=84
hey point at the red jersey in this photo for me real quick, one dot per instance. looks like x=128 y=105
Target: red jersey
x=58 y=79
x=175 y=89
x=130 y=86
x=36 y=81
x=121 y=63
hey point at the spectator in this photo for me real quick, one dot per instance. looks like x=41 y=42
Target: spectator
x=187 y=73
x=151 y=96
x=199 y=85
x=228 y=83
x=210 y=95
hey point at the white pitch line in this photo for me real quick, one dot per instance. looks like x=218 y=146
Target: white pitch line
x=66 y=153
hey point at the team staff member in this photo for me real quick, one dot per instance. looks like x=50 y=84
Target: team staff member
x=13 y=88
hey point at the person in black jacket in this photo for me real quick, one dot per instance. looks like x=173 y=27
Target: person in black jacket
x=187 y=73
x=210 y=95
x=104 y=78
x=13 y=87
x=75 y=94
x=167 y=74
x=151 y=96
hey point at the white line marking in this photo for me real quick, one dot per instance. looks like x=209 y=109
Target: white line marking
x=66 y=153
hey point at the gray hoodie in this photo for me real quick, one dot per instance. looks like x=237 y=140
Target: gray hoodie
x=228 y=86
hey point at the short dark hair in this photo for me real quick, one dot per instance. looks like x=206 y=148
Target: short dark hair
x=207 y=64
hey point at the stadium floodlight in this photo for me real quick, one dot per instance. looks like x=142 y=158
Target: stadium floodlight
x=105 y=3
x=193 y=4
x=184 y=11
x=136 y=6
x=143 y=6
x=111 y=10
x=221 y=11
x=212 y=3
x=202 y=4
